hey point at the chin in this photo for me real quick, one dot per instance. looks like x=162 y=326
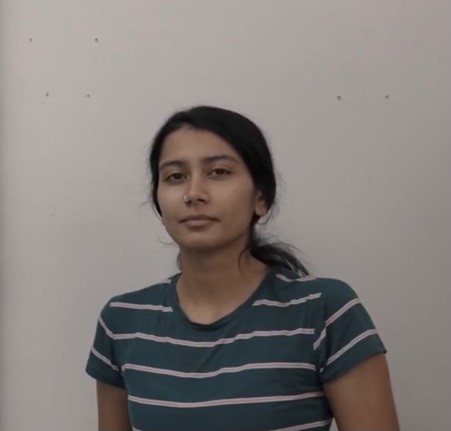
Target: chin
x=200 y=246
x=204 y=241
x=200 y=243
x=205 y=244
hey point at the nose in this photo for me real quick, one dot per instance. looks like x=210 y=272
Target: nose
x=196 y=190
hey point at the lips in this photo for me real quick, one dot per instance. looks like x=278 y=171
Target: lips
x=198 y=217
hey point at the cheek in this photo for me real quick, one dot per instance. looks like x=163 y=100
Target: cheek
x=167 y=202
x=239 y=205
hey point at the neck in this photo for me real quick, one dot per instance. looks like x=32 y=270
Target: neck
x=214 y=283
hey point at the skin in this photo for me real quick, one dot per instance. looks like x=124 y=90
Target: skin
x=212 y=283
x=112 y=412
x=213 y=176
x=362 y=399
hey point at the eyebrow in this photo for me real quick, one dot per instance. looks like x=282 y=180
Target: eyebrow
x=204 y=160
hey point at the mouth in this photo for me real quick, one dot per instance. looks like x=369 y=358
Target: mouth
x=196 y=217
x=197 y=221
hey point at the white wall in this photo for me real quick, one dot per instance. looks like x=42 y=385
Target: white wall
x=365 y=178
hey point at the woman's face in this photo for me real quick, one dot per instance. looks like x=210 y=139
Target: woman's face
x=213 y=177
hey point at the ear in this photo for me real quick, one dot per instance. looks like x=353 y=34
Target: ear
x=260 y=208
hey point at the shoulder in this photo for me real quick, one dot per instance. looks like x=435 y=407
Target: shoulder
x=128 y=306
x=143 y=295
x=325 y=298
x=330 y=290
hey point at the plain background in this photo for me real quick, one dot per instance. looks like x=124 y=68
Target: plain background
x=355 y=99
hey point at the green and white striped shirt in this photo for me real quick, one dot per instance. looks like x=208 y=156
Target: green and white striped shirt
x=260 y=368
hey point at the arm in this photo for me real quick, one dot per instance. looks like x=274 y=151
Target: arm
x=112 y=408
x=362 y=399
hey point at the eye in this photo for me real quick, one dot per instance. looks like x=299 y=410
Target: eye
x=219 y=172
x=174 y=177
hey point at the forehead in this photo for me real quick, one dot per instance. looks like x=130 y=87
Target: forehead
x=192 y=144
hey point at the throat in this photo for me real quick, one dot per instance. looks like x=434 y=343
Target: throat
x=210 y=302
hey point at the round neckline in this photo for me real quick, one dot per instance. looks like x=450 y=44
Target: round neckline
x=223 y=320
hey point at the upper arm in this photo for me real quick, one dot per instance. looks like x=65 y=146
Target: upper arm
x=362 y=399
x=104 y=365
x=112 y=408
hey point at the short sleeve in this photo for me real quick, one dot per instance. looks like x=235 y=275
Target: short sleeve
x=102 y=362
x=346 y=334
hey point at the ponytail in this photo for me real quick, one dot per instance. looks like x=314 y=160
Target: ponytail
x=275 y=253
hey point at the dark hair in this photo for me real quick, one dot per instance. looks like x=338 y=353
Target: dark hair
x=249 y=142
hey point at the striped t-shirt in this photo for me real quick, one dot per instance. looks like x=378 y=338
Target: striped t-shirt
x=260 y=368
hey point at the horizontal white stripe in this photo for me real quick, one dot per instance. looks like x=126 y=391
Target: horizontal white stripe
x=224 y=402
x=301 y=427
x=104 y=359
x=351 y=344
x=221 y=341
x=333 y=318
x=141 y=306
x=225 y=370
x=286 y=304
x=306 y=427
x=304 y=278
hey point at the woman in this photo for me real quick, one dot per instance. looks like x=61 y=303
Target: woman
x=243 y=338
